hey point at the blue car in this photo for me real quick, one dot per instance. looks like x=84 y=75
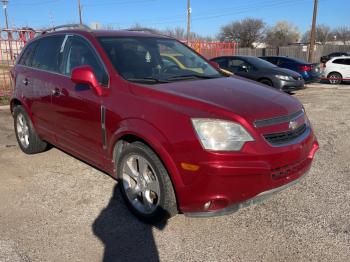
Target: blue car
x=310 y=72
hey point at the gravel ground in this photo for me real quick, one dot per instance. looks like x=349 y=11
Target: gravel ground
x=54 y=207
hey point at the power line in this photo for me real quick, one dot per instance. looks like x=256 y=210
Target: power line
x=118 y=3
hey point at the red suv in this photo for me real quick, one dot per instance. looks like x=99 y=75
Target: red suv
x=179 y=138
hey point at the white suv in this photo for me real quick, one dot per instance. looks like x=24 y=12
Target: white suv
x=337 y=69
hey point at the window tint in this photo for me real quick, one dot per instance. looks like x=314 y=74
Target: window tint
x=339 y=61
x=26 y=58
x=236 y=63
x=222 y=62
x=78 y=53
x=347 y=61
x=272 y=60
x=47 y=54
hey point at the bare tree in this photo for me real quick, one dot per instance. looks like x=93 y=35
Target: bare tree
x=342 y=33
x=283 y=33
x=177 y=32
x=245 y=32
x=323 y=34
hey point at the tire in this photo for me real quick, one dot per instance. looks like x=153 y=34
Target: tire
x=27 y=138
x=266 y=82
x=149 y=196
x=334 y=78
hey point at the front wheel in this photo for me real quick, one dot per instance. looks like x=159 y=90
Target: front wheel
x=334 y=78
x=266 y=82
x=145 y=184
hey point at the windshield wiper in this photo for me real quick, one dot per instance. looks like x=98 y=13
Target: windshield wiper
x=191 y=76
x=147 y=80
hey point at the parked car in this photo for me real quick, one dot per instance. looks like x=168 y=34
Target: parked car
x=178 y=60
x=261 y=71
x=326 y=58
x=310 y=72
x=197 y=143
x=337 y=69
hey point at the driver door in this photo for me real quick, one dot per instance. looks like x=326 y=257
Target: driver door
x=240 y=68
x=78 y=111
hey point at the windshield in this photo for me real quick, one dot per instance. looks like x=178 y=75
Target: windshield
x=151 y=60
x=260 y=63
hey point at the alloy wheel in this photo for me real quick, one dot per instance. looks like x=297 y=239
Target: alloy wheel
x=22 y=130
x=140 y=184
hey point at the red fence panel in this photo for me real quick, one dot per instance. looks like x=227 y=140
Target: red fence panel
x=213 y=49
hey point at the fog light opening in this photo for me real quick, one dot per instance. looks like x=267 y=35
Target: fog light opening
x=207 y=205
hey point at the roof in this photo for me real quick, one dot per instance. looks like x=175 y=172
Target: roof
x=339 y=57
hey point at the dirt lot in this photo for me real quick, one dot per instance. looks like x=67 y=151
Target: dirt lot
x=55 y=208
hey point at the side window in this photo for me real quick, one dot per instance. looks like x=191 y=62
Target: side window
x=77 y=53
x=47 y=55
x=339 y=61
x=272 y=60
x=26 y=58
x=281 y=61
x=347 y=61
x=222 y=62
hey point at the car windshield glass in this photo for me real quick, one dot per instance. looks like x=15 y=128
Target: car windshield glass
x=139 y=59
x=259 y=63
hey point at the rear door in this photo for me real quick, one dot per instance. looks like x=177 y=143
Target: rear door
x=241 y=68
x=342 y=66
x=78 y=111
x=40 y=78
x=346 y=70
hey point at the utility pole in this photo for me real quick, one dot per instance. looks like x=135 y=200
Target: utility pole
x=80 y=10
x=5 y=2
x=313 y=33
x=9 y=35
x=188 y=20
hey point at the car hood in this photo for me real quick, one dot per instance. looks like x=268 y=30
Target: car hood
x=283 y=71
x=242 y=97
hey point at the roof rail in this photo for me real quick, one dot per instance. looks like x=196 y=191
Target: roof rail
x=67 y=26
x=146 y=30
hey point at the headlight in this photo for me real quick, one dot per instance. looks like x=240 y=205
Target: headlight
x=282 y=77
x=220 y=135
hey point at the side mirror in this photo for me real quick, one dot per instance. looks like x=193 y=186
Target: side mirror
x=215 y=65
x=85 y=75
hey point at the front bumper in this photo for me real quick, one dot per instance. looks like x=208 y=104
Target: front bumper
x=254 y=200
x=234 y=183
x=289 y=85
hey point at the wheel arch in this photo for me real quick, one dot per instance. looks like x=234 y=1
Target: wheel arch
x=334 y=72
x=265 y=78
x=133 y=130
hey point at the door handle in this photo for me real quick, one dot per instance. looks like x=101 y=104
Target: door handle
x=25 y=81
x=56 y=92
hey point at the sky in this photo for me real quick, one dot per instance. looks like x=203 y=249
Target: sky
x=207 y=15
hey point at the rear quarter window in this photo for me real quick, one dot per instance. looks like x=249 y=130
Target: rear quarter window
x=340 y=61
x=47 y=54
x=26 y=58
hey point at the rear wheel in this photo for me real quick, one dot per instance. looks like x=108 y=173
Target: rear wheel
x=334 y=78
x=145 y=184
x=266 y=82
x=27 y=138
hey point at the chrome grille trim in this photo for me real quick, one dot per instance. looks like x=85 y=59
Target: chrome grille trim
x=278 y=120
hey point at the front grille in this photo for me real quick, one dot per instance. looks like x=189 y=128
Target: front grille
x=278 y=120
x=285 y=137
x=287 y=170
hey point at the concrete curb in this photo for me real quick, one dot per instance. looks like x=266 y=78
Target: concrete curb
x=5 y=107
